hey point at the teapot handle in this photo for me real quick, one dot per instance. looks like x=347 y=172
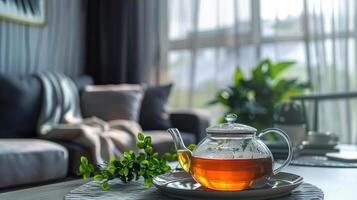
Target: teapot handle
x=288 y=141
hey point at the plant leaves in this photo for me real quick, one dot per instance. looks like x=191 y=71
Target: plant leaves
x=144 y=162
x=98 y=177
x=140 y=145
x=244 y=144
x=149 y=150
x=147 y=140
x=141 y=136
x=105 y=186
x=84 y=160
x=238 y=76
x=86 y=176
x=148 y=182
x=191 y=147
x=125 y=171
x=253 y=98
x=279 y=67
x=147 y=164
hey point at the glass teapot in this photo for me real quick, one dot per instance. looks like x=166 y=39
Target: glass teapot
x=231 y=157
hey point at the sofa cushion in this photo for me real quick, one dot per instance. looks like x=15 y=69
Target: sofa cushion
x=75 y=151
x=162 y=141
x=20 y=104
x=112 y=102
x=26 y=161
x=153 y=115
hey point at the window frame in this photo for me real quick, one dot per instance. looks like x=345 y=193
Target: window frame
x=253 y=38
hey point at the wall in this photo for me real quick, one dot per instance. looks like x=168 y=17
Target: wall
x=59 y=45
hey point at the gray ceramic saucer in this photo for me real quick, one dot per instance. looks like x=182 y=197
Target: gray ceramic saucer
x=179 y=184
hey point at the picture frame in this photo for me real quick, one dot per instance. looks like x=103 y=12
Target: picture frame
x=30 y=12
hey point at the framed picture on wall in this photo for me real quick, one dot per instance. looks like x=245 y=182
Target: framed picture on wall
x=24 y=11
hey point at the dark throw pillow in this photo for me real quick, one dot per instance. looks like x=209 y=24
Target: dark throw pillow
x=153 y=115
x=20 y=104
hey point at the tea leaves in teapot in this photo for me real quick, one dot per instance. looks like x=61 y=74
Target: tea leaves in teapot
x=244 y=144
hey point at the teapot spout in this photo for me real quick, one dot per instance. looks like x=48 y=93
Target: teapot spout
x=183 y=154
x=176 y=136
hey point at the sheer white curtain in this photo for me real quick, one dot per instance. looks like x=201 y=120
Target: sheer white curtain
x=204 y=47
x=206 y=39
x=331 y=40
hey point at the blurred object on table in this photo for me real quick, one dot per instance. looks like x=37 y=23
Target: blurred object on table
x=279 y=149
x=350 y=157
x=321 y=138
x=290 y=118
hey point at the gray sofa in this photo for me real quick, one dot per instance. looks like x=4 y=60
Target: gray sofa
x=26 y=159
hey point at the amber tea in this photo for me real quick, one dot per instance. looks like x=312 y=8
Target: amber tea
x=229 y=175
x=184 y=158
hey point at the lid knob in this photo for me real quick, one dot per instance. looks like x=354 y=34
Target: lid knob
x=231 y=118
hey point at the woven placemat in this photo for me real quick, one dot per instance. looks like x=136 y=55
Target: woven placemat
x=320 y=161
x=137 y=190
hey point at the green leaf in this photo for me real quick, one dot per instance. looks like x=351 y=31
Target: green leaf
x=173 y=148
x=90 y=168
x=98 y=177
x=141 y=136
x=127 y=155
x=111 y=169
x=105 y=186
x=260 y=72
x=144 y=162
x=155 y=155
x=82 y=169
x=148 y=182
x=155 y=161
x=85 y=176
x=292 y=92
x=112 y=160
x=280 y=67
x=244 y=144
x=84 y=160
x=130 y=164
x=124 y=161
x=238 y=75
x=140 y=157
x=149 y=150
x=147 y=140
x=125 y=171
x=191 y=147
x=167 y=155
x=141 y=172
x=166 y=168
x=140 y=145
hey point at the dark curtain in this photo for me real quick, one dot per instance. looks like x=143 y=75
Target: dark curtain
x=115 y=31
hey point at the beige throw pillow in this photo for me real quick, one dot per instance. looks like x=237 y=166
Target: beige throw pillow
x=112 y=102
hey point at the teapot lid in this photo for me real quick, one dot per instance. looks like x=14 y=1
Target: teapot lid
x=231 y=126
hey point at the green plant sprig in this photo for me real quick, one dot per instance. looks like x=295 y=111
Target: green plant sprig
x=146 y=164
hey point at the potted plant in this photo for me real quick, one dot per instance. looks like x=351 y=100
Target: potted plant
x=253 y=99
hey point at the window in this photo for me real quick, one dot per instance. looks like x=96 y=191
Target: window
x=207 y=39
